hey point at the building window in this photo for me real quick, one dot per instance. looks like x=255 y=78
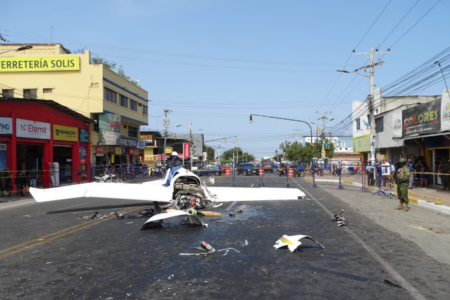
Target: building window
x=8 y=93
x=47 y=91
x=132 y=131
x=30 y=94
x=133 y=105
x=144 y=110
x=110 y=96
x=379 y=124
x=358 y=124
x=123 y=101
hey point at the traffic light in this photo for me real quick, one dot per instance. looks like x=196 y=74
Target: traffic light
x=251 y=119
x=224 y=141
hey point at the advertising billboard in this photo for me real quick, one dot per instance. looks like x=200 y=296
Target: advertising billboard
x=5 y=126
x=445 y=110
x=109 y=129
x=32 y=129
x=65 y=133
x=362 y=143
x=422 y=119
x=84 y=135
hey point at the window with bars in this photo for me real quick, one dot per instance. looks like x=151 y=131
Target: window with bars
x=30 y=94
x=144 y=109
x=123 y=101
x=8 y=93
x=47 y=91
x=133 y=105
x=132 y=131
x=110 y=96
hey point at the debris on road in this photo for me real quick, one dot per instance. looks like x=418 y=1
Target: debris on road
x=205 y=250
x=239 y=210
x=232 y=214
x=95 y=216
x=209 y=213
x=392 y=284
x=339 y=219
x=293 y=242
x=228 y=249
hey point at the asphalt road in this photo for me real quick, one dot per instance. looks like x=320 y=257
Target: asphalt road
x=47 y=252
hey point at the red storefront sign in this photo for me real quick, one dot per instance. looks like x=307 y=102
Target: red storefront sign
x=186 y=150
x=99 y=149
x=131 y=151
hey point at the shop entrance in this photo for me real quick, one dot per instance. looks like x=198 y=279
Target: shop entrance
x=63 y=156
x=439 y=154
x=29 y=157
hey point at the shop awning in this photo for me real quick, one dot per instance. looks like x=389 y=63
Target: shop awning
x=418 y=136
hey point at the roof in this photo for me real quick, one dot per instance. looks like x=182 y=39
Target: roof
x=53 y=104
x=36 y=44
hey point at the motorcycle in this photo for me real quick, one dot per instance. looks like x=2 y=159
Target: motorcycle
x=108 y=178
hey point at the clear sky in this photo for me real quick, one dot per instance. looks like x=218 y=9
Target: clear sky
x=214 y=62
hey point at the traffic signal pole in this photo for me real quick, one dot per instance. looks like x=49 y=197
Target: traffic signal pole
x=286 y=119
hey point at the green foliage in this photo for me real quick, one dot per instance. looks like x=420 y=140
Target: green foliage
x=224 y=162
x=100 y=61
x=296 y=151
x=209 y=152
x=238 y=153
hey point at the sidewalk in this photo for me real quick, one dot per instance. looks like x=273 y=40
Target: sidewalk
x=431 y=197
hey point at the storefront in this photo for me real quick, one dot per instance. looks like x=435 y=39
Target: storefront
x=45 y=136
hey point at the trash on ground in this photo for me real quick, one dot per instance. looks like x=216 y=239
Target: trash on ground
x=392 y=284
x=228 y=249
x=232 y=214
x=209 y=213
x=339 y=219
x=293 y=242
x=95 y=216
x=239 y=210
x=205 y=249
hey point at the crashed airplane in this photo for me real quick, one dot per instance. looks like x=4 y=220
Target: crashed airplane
x=182 y=190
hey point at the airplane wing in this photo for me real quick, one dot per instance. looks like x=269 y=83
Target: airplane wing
x=230 y=194
x=122 y=191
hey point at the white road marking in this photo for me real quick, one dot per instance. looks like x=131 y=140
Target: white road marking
x=400 y=279
x=231 y=205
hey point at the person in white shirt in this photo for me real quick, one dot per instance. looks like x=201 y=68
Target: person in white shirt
x=385 y=172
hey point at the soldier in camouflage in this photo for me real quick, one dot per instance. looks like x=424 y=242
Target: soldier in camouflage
x=402 y=187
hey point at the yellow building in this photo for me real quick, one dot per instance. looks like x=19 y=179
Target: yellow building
x=50 y=71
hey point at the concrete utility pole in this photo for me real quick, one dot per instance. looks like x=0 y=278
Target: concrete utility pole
x=324 y=118
x=191 y=145
x=166 y=123
x=371 y=67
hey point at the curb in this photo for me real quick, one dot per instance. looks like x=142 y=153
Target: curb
x=423 y=203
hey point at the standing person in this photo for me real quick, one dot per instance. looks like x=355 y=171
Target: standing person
x=402 y=186
x=370 y=171
x=379 y=172
x=33 y=177
x=410 y=166
x=7 y=181
x=21 y=182
x=418 y=171
x=440 y=166
x=424 y=180
x=445 y=171
x=385 y=172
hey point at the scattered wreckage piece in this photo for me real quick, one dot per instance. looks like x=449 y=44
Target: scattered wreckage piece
x=293 y=242
x=205 y=250
x=157 y=219
x=339 y=219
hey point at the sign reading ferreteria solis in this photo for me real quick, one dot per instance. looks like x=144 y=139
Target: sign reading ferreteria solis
x=39 y=63
x=422 y=119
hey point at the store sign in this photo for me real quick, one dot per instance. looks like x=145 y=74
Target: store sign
x=32 y=129
x=397 y=123
x=141 y=144
x=422 y=119
x=39 y=63
x=6 y=126
x=128 y=142
x=362 y=143
x=84 y=135
x=131 y=151
x=64 y=133
x=83 y=152
x=3 y=147
x=109 y=129
x=186 y=150
x=100 y=150
x=445 y=110
x=169 y=150
x=118 y=151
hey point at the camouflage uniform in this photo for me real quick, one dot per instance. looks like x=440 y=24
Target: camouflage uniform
x=444 y=178
x=402 y=187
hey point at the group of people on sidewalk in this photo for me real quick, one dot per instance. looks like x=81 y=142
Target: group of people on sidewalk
x=22 y=182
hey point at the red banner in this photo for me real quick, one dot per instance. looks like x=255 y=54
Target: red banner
x=186 y=150
x=131 y=151
x=99 y=149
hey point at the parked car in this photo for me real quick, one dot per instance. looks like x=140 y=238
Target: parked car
x=247 y=169
x=209 y=170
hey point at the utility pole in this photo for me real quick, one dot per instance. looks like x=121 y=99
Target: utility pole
x=324 y=118
x=166 y=123
x=218 y=148
x=371 y=67
x=191 y=144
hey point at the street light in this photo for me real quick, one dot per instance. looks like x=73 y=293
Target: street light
x=24 y=47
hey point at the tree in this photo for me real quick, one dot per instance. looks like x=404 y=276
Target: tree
x=296 y=151
x=228 y=155
x=100 y=61
x=248 y=157
x=209 y=152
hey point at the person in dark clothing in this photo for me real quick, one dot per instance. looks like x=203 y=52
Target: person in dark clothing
x=7 y=181
x=21 y=182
